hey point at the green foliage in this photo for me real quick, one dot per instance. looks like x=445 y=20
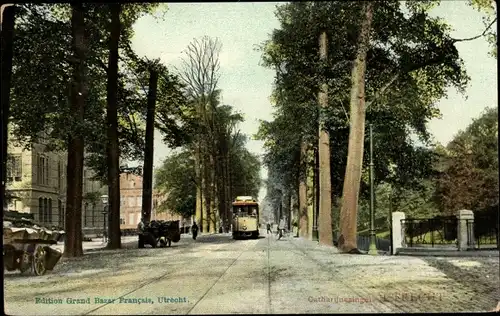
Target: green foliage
x=488 y=7
x=469 y=179
x=175 y=180
x=41 y=77
x=411 y=63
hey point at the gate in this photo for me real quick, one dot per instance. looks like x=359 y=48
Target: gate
x=430 y=232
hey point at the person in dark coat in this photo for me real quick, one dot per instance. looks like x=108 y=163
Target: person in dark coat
x=194 y=230
x=269 y=228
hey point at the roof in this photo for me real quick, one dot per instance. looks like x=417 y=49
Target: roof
x=245 y=203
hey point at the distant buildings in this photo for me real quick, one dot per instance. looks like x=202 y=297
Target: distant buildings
x=131 y=202
x=36 y=184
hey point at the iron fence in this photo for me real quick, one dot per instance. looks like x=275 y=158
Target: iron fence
x=482 y=233
x=418 y=232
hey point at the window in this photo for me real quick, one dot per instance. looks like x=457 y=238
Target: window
x=84 y=180
x=14 y=168
x=122 y=221
x=45 y=210
x=85 y=211
x=139 y=201
x=122 y=200
x=59 y=175
x=50 y=211
x=46 y=173
x=131 y=219
x=60 y=213
x=40 y=210
x=93 y=214
x=42 y=170
x=131 y=200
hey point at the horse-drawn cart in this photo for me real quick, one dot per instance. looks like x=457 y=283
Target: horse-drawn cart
x=159 y=232
x=28 y=248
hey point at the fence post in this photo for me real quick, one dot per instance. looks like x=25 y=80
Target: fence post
x=465 y=229
x=397 y=233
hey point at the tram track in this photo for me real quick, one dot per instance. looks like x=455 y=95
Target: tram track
x=162 y=276
x=220 y=277
x=269 y=301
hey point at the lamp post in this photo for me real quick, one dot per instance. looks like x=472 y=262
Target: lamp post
x=372 y=250
x=104 y=199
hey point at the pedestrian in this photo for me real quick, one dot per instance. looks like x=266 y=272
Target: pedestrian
x=194 y=230
x=269 y=228
x=281 y=228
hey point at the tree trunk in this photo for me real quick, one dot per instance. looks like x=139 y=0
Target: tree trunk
x=350 y=193
x=74 y=191
x=147 y=184
x=213 y=200
x=199 y=200
x=310 y=193
x=229 y=213
x=325 y=185
x=303 y=216
x=113 y=150
x=8 y=22
x=286 y=209
x=204 y=197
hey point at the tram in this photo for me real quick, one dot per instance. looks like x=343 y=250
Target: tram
x=245 y=221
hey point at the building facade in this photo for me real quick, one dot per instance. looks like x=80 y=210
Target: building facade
x=131 y=203
x=36 y=184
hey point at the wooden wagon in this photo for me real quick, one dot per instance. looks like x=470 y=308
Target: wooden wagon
x=28 y=248
x=159 y=232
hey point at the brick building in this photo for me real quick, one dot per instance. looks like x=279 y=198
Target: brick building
x=131 y=202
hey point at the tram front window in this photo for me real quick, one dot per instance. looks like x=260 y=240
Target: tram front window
x=243 y=211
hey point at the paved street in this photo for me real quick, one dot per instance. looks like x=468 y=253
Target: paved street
x=218 y=275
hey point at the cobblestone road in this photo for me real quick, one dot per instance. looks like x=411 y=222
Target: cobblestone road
x=217 y=275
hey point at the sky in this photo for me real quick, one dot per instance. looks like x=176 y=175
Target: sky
x=246 y=85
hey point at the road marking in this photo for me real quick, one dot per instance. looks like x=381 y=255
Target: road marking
x=152 y=280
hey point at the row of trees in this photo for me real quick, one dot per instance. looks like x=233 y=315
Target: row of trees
x=214 y=166
x=339 y=64
x=77 y=82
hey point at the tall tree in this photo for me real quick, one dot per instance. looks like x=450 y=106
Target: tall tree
x=303 y=214
x=325 y=185
x=350 y=194
x=8 y=22
x=200 y=73
x=147 y=186
x=73 y=241
x=113 y=148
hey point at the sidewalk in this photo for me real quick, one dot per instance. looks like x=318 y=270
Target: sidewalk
x=97 y=243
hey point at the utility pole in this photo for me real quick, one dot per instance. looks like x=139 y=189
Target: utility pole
x=373 y=244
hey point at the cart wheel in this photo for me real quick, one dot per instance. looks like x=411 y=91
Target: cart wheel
x=39 y=257
x=25 y=261
x=10 y=258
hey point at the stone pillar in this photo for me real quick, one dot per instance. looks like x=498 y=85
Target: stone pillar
x=397 y=232
x=465 y=230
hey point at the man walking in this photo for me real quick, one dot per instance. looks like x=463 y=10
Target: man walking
x=194 y=230
x=281 y=228
x=269 y=228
